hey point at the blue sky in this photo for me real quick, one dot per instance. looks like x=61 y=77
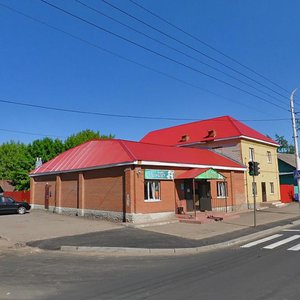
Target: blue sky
x=46 y=67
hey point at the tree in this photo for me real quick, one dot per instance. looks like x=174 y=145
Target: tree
x=84 y=136
x=46 y=149
x=15 y=163
x=17 y=159
x=284 y=147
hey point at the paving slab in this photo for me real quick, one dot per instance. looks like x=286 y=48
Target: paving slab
x=38 y=224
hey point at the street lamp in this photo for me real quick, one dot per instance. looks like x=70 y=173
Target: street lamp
x=295 y=136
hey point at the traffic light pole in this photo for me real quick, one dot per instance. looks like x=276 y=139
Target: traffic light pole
x=254 y=198
x=254 y=171
x=295 y=137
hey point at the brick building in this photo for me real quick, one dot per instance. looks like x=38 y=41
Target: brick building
x=134 y=181
x=233 y=139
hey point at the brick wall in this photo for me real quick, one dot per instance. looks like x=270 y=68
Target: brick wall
x=104 y=189
x=69 y=190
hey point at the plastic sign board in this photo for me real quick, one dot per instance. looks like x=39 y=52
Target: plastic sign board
x=159 y=174
x=297 y=174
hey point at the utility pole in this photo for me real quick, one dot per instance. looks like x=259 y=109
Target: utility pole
x=295 y=137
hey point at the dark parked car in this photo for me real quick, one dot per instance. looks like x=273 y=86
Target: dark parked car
x=9 y=205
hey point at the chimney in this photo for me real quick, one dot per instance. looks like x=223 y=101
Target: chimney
x=38 y=162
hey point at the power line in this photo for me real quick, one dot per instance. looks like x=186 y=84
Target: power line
x=159 y=54
x=126 y=58
x=207 y=45
x=178 y=51
x=190 y=47
x=31 y=133
x=117 y=115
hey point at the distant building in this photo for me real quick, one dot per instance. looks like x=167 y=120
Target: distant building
x=6 y=186
x=288 y=185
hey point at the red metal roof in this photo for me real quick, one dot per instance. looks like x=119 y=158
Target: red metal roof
x=105 y=153
x=204 y=131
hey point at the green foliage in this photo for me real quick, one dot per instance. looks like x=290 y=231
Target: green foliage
x=45 y=149
x=284 y=147
x=15 y=162
x=18 y=159
x=84 y=136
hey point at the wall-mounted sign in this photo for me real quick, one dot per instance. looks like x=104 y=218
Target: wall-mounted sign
x=297 y=174
x=159 y=174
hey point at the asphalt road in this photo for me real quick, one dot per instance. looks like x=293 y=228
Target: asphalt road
x=253 y=272
x=138 y=238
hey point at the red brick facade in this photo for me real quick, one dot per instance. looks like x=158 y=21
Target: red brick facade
x=118 y=192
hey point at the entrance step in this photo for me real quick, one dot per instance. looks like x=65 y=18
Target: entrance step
x=272 y=204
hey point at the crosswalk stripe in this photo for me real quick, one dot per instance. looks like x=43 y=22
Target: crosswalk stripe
x=292 y=230
x=282 y=242
x=272 y=237
x=295 y=248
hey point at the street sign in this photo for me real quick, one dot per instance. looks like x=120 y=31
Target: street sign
x=297 y=174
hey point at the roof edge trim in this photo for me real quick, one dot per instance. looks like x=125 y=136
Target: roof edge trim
x=85 y=169
x=168 y=164
x=231 y=138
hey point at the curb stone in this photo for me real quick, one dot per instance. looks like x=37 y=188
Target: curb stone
x=177 y=251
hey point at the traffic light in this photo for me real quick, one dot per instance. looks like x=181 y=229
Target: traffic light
x=251 y=168
x=256 y=168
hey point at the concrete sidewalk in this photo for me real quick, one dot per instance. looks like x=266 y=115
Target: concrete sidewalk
x=54 y=232
x=244 y=221
x=17 y=230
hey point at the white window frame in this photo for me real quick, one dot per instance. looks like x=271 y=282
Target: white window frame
x=272 y=188
x=251 y=154
x=151 y=189
x=221 y=189
x=269 y=157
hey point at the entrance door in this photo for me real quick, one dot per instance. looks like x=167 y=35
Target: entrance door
x=47 y=195
x=264 y=193
x=188 y=190
x=204 y=195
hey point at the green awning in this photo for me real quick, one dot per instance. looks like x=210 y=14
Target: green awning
x=201 y=174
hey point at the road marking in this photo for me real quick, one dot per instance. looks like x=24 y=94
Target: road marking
x=295 y=248
x=272 y=237
x=292 y=230
x=282 y=242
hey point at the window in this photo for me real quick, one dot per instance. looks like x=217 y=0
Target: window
x=251 y=154
x=271 y=187
x=269 y=157
x=221 y=189
x=254 y=189
x=152 y=190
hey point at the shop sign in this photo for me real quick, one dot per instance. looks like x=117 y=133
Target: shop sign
x=159 y=174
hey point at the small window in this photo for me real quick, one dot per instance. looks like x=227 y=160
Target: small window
x=152 y=190
x=221 y=189
x=254 y=189
x=251 y=154
x=269 y=157
x=271 y=187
